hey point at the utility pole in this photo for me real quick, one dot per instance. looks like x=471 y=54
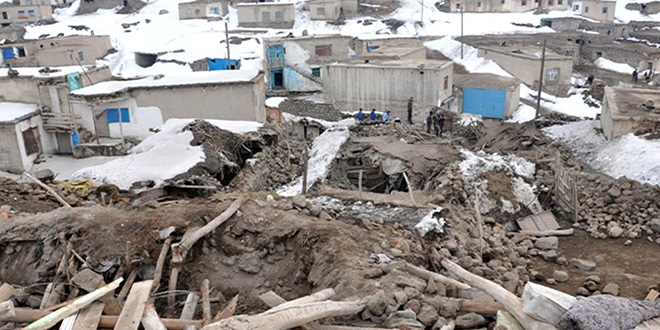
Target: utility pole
x=421 y=23
x=227 y=42
x=461 y=33
x=538 y=101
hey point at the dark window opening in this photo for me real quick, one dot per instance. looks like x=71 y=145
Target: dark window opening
x=323 y=50
x=316 y=72
x=30 y=141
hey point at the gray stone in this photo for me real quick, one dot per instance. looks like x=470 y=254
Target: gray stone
x=584 y=265
x=411 y=292
x=300 y=201
x=615 y=232
x=414 y=305
x=655 y=225
x=593 y=278
x=551 y=281
x=377 y=303
x=611 y=288
x=447 y=307
x=582 y=292
x=427 y=315
x=410 y=281
x=315 y=210
x=591 y=286
x=562 y=261
x=431 y=287
x=560 y=276
x=469 y=321
x=627 y=243
x=400 y=297
x=547 y=243
x=549 y=256
x=441 y=322
x=325 y=216
x=614 y=192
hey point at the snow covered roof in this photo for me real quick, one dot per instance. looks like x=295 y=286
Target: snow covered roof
x=628 y=102
x=529 y=52
x=10 y=111
x=485 y=80
x=194 y=78
x=395 y=64
x=34 y=72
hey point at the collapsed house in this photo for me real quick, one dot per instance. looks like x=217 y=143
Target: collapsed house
x=627 y=110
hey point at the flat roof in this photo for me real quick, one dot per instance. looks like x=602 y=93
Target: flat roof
x=627 y=102
x=34 y=72
x=257 y=4
x=529 y=52
x=484 y=80
x=307 y=37
x=393 y=50
x=194 y=78
x=11 y=111
x=394 y=64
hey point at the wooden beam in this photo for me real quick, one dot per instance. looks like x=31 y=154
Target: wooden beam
x=190 y=306
x=160 y=263
x=481 y=308
x=652 y=296
x=150 y=319
x=228 y=311
x=556 y=232
x=48 y=189
x=425 y=274
x=207 y=316
x=89 y=317
x=131 y=314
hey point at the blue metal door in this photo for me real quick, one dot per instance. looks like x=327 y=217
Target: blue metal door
x=7 y=53
x=489 y=103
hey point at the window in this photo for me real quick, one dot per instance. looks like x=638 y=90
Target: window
x=599 y=54
x=113 y=115
x=30 y=141
x=21 y=14
x=586 y=9
x=604 y=10
x=4 y=15
x=550 y=2
x=324 y=50
x=479 y=4
x=189 y=12
x=80 y=56
x=560 y=2
x=265 y=15
x=320 y=11
x=31 y=13
x=524 y=3
x=316 y=72
x=198 y=12
x=458 y=6
x=279 y=15
x=576 y=7
x=552 y=75
x=503 y=1
x=446 y=85
x=28 y=2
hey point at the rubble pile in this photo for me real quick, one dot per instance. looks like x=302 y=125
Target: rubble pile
x=305 y=108
x=25 y=197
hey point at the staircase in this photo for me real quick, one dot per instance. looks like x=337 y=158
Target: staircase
x=305 y=74
x=59 y=122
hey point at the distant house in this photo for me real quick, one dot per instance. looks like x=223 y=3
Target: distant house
x=388 y=84
x=61 y=51
x=295 y=63
x=524 y=62
x=28 y=11
x=275 y=15
x=395 y=53
x=22 y=136
x=375 y=42
x=504 y=6
x=125 y=6
x=50 y=88
x=202 y=9
x=488 y=95
x=132 y=107
x=629 y=110
x=600 y=10
x=324 y=10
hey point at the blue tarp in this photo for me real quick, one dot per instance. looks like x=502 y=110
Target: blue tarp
x=216 y=64
x=74 y=138
x=7 y=53
x=113 y=115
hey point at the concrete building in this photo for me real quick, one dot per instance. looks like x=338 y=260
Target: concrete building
x=130 y=108
x=637 y=54
x=600 y=10
x=488 y=95
x=295 y=64
x=366 y=45
x=324 y=10
x=505 y=6
x=525 y=63
x=125 y=6
x=62 y=51
x=22 y=136
x=388 y=84
x=275 y=15
x=629 y=110
x=201 y=9
x=50 y=89
x=395 y=53
x=24 y=13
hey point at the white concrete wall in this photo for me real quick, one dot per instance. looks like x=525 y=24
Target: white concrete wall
x=142 y=118
x=10 y=157
x=595 y=10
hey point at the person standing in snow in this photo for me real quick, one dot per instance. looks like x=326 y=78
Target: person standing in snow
x=635 y=76
x=360 y=115
x=372 y=115
x=386 y=115
x=429 y=122
x=410 y=109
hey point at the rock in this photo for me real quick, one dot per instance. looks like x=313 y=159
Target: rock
x=400 y=297
x=411 y=292
x=377 y=303
x=411 y=281
x=560 y=276
x=441 y=322
x=315 y=210
x=34 y=301
x=250 y=264
x=591 y=286
x=163 y=12
x=615 y=232
x=325 y=216
x=593 y=278
x=300 y=201
x=582 y=292
x=427 y=315
x=446 y=307
x=611 y=288
x=614 y=192
x=627 y=243
x=551 y=281
x=584 y=265
x=655 y=225
x=549 y=256
x=547 y=243
x=431 y=287
x=414 y=305
x=469 y=321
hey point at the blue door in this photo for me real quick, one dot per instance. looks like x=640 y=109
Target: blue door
x=488 y=103
x=7 y=53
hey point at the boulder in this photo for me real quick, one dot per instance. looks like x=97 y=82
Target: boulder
x=615 y=232
x=300 y=201
x=560 y=276
x=470 y=321
x=584 y=265
x=427 y=315
x=547 y=243
x=611 y=288
x=377 y=303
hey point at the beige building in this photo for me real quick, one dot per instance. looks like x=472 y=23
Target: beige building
x=388 y=84
x=524 y=62
x=62 y=51
x=133 y=107
x=201 y=9
x=629 y=110
x=505 y=6
x=600 y=10
x=22 y=136
x=275 y=15
x=29 y=11
x=324 y=10
x=395 y=53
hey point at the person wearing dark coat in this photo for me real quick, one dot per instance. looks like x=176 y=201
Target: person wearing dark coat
x=410 y=110
x=429 y=122
x=372 y=115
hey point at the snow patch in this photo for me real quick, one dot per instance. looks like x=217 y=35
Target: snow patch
x=431 y=222
x=480 y=162
x=467 y=119
x=606 y=64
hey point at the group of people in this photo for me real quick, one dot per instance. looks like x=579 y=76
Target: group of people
x=436 y=121
x=646 y=77
x=373 y=116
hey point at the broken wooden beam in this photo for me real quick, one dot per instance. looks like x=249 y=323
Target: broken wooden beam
x=207 y=316
x=48 y=189
x=273 y=300
x=652 y=296
x=89 y=317
x=51 y=319
x=180 y=249
x=131 y=314
x=511 y=302
x=150 y=319
x=319 y=296
x=190 y=306
x=160 y=263
x=425 y=274
x=481 y=307
x=228 y=311
x=556 y=232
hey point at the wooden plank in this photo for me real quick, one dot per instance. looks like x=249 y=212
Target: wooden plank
x=526 y=224
x=89 y=317
x=150 y=319
x=69 y=321
x=130 y=316
x=207 y=316
x=189 y=307
x=652 y=296
x=6 y=291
